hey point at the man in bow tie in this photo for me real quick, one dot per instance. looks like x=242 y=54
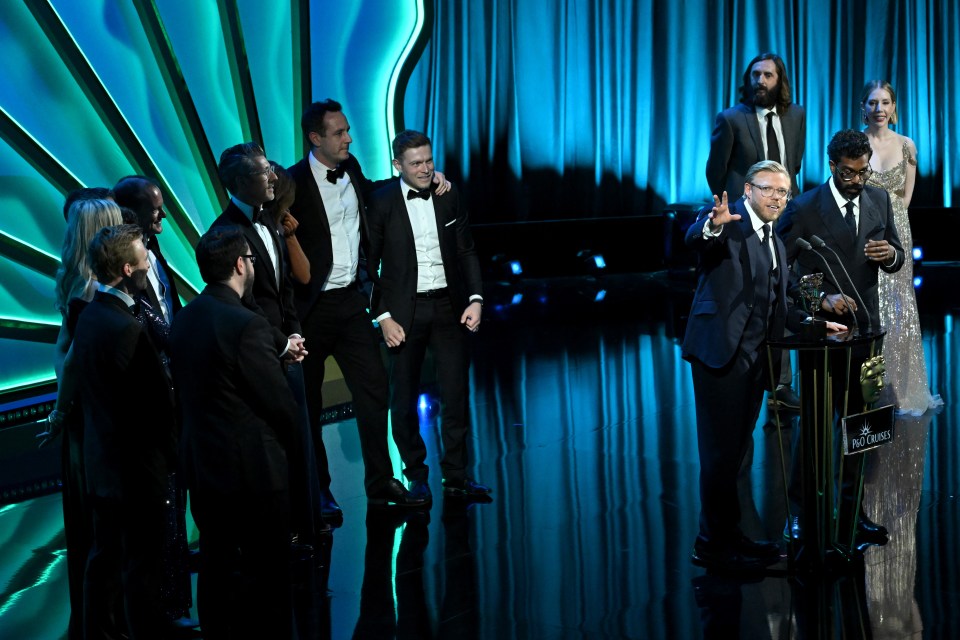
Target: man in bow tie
x=331 y=189
x=427 y=293
x=128 y=452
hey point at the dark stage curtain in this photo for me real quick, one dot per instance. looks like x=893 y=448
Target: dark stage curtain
x=583 y=108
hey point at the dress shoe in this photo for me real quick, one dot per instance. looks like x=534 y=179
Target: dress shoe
x=394 y=493
x=420 y=490
x=729 y=558
x=757 y=548
x=328 y=506
x=784 y=398
x=464 y=487
x=793 y=530
x=870 y=533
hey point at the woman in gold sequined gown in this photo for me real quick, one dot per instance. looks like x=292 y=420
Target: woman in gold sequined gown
x=894 y=164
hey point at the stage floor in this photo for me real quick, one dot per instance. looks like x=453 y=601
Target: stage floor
x=584 y=426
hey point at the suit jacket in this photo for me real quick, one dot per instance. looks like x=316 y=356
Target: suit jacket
x=816 y=213
x=153 y=244
x=736 y=145
x=392 y=252
x=130 y=444
x=314 y=230
x=273 y=301
x=238 y=412
x=724 y=297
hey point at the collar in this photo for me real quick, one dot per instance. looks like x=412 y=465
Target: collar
x=316 y=165
x=840 y=198
x=245 y=209
x=756 y=222
x=113 y=291
x=763 y=111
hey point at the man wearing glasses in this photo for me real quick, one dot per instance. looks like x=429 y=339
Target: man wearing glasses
x=765 y=125
x=740 y=302
x=856 y=221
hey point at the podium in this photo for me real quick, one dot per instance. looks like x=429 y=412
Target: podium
x=829 y=484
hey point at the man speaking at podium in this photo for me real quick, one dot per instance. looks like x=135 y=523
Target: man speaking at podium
x=855 y=221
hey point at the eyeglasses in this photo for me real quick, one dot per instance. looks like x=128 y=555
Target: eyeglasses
x=847 y=175
x=766 y=191
x=252 y=258
x=263 y=172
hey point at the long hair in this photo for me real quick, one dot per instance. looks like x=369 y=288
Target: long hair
x=84 y=219
x=784 y=94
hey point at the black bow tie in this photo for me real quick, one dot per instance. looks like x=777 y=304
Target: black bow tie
x=334 y=174
x=422 y=193
x=257 y=214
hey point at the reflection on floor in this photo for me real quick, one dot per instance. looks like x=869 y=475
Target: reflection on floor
x=584 y=425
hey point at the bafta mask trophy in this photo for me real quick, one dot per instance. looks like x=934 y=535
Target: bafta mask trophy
x=871 y=378
x=814 y=328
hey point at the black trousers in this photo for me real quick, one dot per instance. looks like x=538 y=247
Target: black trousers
x=304 y=477
x=128 y=539
x=728 y=405
x=436 y=325
x=244 y=588
x=339 y=325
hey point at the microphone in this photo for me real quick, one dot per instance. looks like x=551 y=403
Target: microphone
x=806 y=246
x=820 y=244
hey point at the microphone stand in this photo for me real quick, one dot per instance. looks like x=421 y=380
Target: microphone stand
x=806 y=246
x=820 y=244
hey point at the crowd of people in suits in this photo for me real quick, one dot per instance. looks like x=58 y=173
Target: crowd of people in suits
x=222 y=397
x=750 y=245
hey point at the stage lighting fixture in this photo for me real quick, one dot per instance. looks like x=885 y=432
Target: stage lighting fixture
x=517 y=298
x=917 y=254
x=917 y=282
x=600 y=295
x=506 y=267
x=593 y=261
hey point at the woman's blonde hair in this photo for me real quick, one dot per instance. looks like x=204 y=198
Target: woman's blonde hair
x=84 y=219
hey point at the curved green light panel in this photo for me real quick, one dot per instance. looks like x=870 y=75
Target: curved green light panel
x=92 y=91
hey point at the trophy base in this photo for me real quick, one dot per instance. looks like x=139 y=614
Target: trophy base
x=813 y=329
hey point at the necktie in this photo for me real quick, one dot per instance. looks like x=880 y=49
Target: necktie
x=422 y=193
x=773 y=149
x=257 y=213
x=334 y=174
x=850 y=219
x=766 y=247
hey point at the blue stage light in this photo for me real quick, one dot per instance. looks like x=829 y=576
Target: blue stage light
x=599 y=262
x=515 y=267
x=917 y=281
x=517 y=298
x=600 y=295
x=424 y=403
x=918 y=253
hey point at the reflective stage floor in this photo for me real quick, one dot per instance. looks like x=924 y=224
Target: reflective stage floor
x=583 y=424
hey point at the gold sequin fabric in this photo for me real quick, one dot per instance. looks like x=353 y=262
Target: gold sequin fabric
x=906 y=379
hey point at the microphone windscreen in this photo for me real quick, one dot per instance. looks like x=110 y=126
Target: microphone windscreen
x=803 y=244
x=817 y=242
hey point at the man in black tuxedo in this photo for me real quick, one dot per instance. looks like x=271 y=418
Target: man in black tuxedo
x=740 y=302
x=143 y=197
x=239 y=422
x=856 y=221
x=765 y=125
x=427 y=293
x=129 y=445
x=333 y=227
x=246 y=173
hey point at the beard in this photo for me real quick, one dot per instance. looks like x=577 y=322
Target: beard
x=248 y=283
x=765 y=98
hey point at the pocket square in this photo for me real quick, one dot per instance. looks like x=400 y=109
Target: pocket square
x=450 y=223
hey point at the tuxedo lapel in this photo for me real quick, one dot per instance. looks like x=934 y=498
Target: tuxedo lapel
x=264 y=263
x=869 y=218
x=835 y=229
